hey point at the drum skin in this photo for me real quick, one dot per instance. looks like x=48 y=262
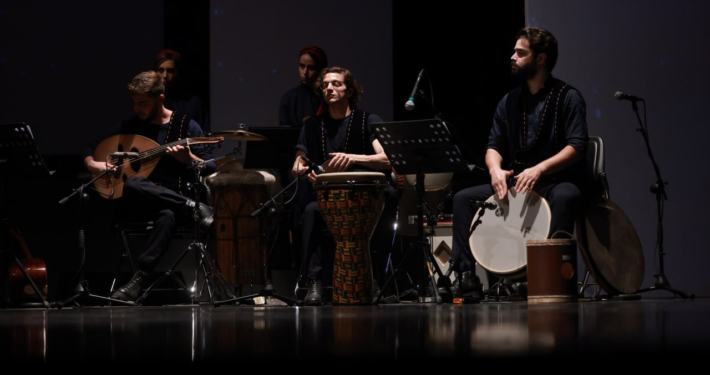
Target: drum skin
x=499 y=243
x=351 y=205
x=611 y=247
x=552 y=270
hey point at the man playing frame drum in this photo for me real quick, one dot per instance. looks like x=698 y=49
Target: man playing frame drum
x=340 y=140
x=538 y=142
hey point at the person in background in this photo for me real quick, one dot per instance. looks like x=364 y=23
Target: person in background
x=178 y=96
x=302 y=102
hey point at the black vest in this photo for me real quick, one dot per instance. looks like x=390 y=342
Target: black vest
x=355 y=142
x=169 y=172
x=550 y=137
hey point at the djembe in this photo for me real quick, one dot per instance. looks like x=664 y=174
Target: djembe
x=351 y=205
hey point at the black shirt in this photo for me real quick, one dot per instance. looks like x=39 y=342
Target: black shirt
x=297 y=104
x=335 y=134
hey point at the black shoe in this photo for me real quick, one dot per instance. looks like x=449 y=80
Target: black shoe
x=206 y=214
x=130 y=291
x=315 y=294
x=470 y=283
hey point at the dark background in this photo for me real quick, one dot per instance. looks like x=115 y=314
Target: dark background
x=64 y=67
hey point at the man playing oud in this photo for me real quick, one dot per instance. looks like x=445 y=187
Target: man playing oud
x=164 y=197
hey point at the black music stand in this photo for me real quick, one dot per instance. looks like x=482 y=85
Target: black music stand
x=420 y=147
x=19 y=155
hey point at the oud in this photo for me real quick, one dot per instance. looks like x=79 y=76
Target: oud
x=110 y=186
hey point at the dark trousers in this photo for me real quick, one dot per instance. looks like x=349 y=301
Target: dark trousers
x=564 y=199
x=314 y=240
x=144 y=200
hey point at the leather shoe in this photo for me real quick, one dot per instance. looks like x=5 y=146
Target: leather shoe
x=206 y=214
x=469 y=281
x=314 y=297
x=130 y=291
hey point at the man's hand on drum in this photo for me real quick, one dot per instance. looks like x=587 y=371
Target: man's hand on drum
x=339 y=162
x=499 y=182
x=527 y=179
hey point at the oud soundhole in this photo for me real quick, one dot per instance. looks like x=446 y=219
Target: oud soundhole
x=135 y=163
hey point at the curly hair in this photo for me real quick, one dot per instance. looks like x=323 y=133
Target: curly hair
x=349 y=80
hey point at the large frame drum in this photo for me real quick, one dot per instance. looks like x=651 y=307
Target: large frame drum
x=351 y=205
x=499 y=243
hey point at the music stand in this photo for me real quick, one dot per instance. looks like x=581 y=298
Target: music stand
x=19 y=155
x=420 y=147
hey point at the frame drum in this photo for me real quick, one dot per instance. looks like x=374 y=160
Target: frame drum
x=499 y=243
x=611 y=248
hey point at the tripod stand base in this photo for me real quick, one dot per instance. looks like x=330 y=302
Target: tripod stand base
x=662 y=284
x=668 y=288
x=267 y=291
x=82 y=292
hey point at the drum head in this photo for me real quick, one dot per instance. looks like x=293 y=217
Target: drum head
x=610 y=247
x=499 y=242
x=350 y=177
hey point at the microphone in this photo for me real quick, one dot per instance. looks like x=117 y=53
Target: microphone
x=488 y=205
x=409 y=105
x=315 y=167
x=125 y=154
x=621 y=96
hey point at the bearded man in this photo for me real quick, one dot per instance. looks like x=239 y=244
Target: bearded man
x=537 y=143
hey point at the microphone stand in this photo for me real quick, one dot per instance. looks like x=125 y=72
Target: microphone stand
x=81 y=291
x=658 y=188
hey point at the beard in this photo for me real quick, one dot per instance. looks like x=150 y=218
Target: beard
x=153 y=114
x=523 y=72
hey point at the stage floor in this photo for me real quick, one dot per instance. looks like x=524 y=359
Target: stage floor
x=193 y=333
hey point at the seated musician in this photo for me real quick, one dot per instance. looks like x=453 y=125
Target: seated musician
x=537 y=142
x=340 y=140
x=164 y=197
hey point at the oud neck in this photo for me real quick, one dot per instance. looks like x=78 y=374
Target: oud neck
x=160 y=150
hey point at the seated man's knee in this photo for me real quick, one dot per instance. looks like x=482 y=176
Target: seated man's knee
x=133 y=185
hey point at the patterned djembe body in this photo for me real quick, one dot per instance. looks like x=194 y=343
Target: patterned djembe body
x=351 y=204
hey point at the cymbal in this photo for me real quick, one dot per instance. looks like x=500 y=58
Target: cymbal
x=240 y=135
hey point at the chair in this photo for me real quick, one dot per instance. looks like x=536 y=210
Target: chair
x=598 y=187
x=596 y=176
x=131 y=230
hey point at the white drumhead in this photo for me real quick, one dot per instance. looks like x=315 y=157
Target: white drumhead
x=432 y=181
x=350 y=176
x=498 y=244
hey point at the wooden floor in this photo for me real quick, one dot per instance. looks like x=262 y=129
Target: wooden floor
x=660 y=327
